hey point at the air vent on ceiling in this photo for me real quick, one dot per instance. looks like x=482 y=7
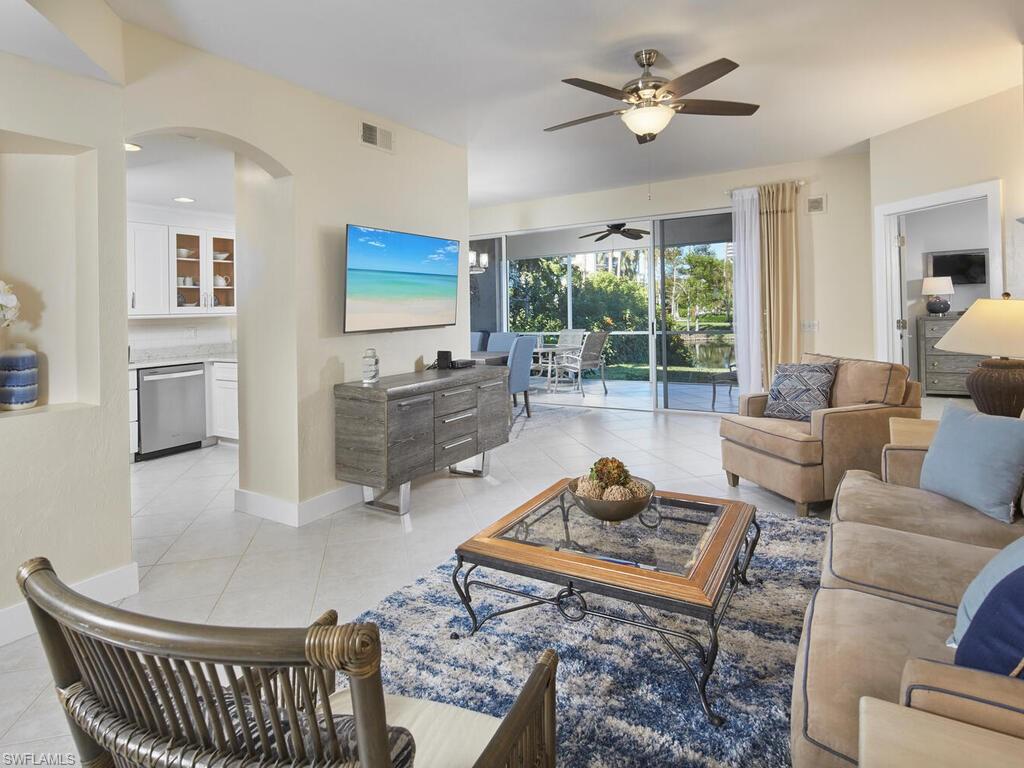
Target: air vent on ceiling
x=817 y=204
x=375 y=136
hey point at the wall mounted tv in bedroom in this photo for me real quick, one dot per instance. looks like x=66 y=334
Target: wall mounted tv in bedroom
x=395 y=280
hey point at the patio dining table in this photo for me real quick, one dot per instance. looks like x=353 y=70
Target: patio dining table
x=545 y=358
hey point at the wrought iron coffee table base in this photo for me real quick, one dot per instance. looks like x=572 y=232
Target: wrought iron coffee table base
x=571 y=602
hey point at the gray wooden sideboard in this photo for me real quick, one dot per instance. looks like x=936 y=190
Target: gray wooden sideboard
x=401 y=427
x=941 y=373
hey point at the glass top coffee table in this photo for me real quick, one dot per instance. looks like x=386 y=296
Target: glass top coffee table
x=683 y=554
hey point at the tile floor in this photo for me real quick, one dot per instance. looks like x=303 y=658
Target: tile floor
x=202 y=561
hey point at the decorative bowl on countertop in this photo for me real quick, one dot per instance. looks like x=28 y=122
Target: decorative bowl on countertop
x=613 y=511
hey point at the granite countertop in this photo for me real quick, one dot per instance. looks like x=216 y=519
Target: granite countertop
x=183 y=355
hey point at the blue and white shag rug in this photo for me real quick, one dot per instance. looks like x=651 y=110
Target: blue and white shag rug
x=623 y=699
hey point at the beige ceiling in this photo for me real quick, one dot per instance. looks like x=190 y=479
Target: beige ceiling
x=485 y=73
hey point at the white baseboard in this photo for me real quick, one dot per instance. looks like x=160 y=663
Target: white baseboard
x=16 y=621
x=297 y=514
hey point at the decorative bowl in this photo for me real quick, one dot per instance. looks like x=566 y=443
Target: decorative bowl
x=613 y=511
x=221 y=255
x=185 y=253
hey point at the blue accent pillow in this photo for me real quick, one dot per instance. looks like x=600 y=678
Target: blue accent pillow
x=994 y=642
x=978 y=460
x=1009 y=559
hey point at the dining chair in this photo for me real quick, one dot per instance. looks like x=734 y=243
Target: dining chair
x=589 y=358
x=478 y=341
x=520 y=360
x=500 y=342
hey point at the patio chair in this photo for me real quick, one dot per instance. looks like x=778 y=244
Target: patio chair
x=143 y=691
x=520 y=360
x=500 y=342
x=728 y=376
x=589 y=358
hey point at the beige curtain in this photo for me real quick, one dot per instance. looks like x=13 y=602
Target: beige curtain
x=780 y=337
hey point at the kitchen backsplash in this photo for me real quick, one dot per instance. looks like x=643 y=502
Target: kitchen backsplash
x=156 y=354
x=187 y=337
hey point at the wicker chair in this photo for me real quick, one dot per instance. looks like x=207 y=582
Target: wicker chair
x=142 y=691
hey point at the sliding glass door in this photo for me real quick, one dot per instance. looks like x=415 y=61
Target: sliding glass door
x=696 y=338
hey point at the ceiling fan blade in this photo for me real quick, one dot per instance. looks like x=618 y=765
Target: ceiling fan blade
x=581 y=120
x=645 y=138
x=601 y=232
x=631 y=234
x=713 y=107
x=604 y=90
x=634 y=231
x=697 y=78
x=602 y=237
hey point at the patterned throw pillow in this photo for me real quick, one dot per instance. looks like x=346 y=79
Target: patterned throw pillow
x=798 y=389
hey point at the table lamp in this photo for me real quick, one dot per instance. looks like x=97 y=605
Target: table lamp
x=936 y=288
x=992 y=327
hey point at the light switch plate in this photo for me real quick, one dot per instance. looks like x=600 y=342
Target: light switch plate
x=191 y=332
x=809 y=326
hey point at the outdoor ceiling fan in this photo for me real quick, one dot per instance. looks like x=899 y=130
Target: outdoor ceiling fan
x=653 y=101
x=618 y=229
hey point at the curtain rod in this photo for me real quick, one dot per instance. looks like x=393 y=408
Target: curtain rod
x=728 y=192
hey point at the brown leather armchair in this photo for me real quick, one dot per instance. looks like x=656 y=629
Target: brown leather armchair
x=805 y=460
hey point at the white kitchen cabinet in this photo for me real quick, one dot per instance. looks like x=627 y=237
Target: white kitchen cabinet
x=224 y=394
x=147 y=269
x=221 y=278
x=201 y=277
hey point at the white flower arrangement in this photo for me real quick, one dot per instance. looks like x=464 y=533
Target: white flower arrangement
x=9 y=306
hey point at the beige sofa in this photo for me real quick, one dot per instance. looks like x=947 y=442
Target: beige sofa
x=896 y=564
x=804 y=460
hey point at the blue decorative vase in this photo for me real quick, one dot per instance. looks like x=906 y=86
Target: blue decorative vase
x=19 y=378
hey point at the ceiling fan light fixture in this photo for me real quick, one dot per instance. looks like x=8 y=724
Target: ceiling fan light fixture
x=647 y=119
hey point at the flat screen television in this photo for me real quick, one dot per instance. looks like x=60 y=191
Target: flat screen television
x=396 y=280
x=963 y=267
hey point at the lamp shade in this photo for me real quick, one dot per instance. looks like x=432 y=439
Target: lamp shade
x=937 y=286
x=993 y=327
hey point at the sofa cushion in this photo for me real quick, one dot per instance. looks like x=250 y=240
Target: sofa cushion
x=854 y=644
x=864 y=381
x=862 y=497
x=790 y=440
x=977 y=459
x=446 y=736
x=798 y=390
x=994 y=640
x=907 y=566
x=1009 y=559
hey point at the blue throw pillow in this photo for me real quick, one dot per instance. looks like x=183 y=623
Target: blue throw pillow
x=1009 y=559
x=978 y=460
x=994 y=642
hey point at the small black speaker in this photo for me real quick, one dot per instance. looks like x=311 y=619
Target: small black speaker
x=444 y=359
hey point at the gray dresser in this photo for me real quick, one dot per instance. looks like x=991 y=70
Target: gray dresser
x=401 y=427
x=941 y=373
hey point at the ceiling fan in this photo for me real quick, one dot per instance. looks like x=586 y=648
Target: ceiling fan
x=618 y=229
x=652 y=101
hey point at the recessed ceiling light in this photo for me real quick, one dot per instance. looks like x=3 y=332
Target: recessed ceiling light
x=184 y=200
x=129 y=147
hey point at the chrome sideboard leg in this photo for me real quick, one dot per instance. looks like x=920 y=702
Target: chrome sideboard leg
x=483 y=471
x=372 y=498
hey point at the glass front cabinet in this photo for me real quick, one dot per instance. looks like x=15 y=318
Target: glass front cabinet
x=202 y=272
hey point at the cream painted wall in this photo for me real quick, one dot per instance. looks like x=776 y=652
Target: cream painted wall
x=977 y=142
x=37 y=255
x=335 y=181
x=835 y=247
x=65 y=475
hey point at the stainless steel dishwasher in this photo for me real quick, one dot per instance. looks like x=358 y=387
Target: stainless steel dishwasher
x=172 y=409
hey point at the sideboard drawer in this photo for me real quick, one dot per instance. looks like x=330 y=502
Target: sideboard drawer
x=492 y=405
x=945 y=383
x=455 y=450
x=410 y=418
x=447 y=428
x=936 y=329
x=950 y=364
x=454 y=400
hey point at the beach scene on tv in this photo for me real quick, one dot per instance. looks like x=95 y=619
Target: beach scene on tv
x=398 y=280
